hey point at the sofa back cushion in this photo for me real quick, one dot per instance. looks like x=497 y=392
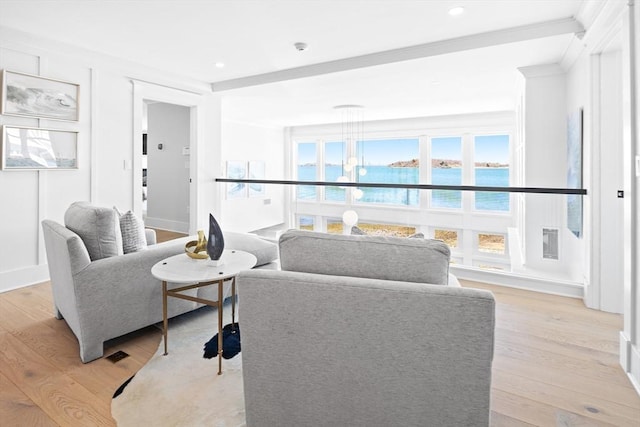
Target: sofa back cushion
x=374 y=257
x=98 y=227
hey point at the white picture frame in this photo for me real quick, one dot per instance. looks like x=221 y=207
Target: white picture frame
x=29 y=95
x=25 y=148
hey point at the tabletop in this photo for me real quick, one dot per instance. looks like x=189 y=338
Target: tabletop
x=183 y=269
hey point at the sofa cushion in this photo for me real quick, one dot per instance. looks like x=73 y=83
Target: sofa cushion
x=375 y=257
x=263 y=250
x=98 y=227
x=133 y=233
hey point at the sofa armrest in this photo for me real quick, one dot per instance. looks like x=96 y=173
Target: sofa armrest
x=150 y=234
x=265 y=252
x=66 y=252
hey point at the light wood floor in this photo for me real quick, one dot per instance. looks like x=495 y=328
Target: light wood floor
x=556 y=364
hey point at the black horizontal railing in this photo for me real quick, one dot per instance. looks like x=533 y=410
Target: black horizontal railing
x=536 y=190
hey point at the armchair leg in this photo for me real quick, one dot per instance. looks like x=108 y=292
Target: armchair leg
x=91 y=351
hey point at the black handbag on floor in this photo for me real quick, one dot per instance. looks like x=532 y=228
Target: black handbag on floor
x=230 y=343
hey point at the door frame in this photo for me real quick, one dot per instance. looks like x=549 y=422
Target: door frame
x=595 y=289
x=143 y=91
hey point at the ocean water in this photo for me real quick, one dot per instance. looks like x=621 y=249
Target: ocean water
x=497 y=177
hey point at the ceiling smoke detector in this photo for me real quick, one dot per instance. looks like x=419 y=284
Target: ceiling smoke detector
x=301 y=47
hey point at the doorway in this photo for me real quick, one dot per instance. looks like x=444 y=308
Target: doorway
x=169 y=119
x=606 y=290
x=166 y=176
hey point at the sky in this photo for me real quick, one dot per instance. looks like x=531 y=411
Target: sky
x=492 y=148
x=376 y=152
x=488 y=148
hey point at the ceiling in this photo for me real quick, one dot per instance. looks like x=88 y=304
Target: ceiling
x=254 y=37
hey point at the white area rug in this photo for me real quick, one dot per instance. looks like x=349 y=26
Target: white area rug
x=182 y=388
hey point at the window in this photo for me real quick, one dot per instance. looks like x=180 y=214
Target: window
x=473 y=224
x=393 y=161
x=491 y=243
x=450 y=237
x=306 y=222
x=334 y=225
x=491 y=170
x=334 y=154
x=307 y=170
x=446 y=169
x=378 y=229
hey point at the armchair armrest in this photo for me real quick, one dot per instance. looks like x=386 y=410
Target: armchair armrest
x=150 y=234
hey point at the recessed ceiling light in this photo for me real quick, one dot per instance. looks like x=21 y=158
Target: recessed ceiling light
x=219 y=64
x=455 y=11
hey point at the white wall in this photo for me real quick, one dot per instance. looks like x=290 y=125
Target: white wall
x=630 y=335
x=247 y=142
x=594 y=82
x=168 y=168
x=608 y=156
x=106 y=147
x=109 y=151
x=545 y=157
x=30 y=196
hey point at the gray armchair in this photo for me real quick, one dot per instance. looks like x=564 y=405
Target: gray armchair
x=107 y=297
x=333 y=344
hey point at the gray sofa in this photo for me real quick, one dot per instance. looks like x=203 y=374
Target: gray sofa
x=364 y=331
x=103 y=293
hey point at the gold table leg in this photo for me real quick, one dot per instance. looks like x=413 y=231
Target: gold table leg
x=233 y=302
x=220 y=286
x=175 y=292
x=165 y=322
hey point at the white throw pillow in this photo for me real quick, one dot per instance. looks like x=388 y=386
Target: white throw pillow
x=133 y=234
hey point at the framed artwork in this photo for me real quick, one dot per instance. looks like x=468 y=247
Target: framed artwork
x=34 y=148
x=34 y=96
x=256 y=171
x=574 y=172
x=236 y=170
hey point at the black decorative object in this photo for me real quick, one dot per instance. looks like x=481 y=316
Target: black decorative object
x=230 y=343
x=215 y=244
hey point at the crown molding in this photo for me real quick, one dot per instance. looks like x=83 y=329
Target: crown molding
x=603 y=21
x=475 y=41
x=542 y=70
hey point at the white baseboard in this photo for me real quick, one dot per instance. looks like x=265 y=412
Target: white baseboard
x=625 y=351
x=165 y=224
x=630 y=360
x=520 y=281
x=14 y=279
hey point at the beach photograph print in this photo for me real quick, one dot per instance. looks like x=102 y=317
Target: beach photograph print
x=256 y=171
x=34 y=96
x=236 y=170
x=574 y=172
x=31 y=148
